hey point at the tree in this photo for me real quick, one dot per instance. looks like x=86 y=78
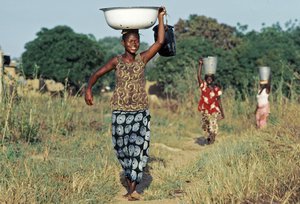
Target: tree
x=221 y=35
x=238 y=61
x=169 y=71
x=60 y=53
x=271 y=47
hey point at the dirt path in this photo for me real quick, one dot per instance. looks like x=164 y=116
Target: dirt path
x=186 y=155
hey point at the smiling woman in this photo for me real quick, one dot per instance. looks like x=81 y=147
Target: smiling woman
x=129 y=102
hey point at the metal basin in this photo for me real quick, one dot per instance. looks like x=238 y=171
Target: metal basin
x=210 y=64
x=264 y=73
x=130 y=17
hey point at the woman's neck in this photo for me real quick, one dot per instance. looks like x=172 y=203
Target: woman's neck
x=128 y=57
x=211 y=85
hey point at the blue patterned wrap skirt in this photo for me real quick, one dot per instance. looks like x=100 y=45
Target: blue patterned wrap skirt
x=131 y=140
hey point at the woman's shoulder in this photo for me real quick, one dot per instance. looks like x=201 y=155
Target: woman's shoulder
x=116 y=59
x=203 y=84
x=112 y=62
x=266 y=91
x=217 y=86
x=139 y=58
x=263 y=91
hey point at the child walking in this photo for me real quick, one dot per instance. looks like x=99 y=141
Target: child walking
x=210 y=104
x=130 y=107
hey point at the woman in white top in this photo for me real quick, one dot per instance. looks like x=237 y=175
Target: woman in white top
x=263 y=107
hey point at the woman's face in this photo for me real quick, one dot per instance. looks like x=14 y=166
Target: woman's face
x=132 y=43
x=209 y=79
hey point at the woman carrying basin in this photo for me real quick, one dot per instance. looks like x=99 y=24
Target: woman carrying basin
x=210 y=104
x=262 y=110
x=130 y=106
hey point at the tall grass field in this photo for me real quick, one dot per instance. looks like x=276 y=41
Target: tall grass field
x=58 y=150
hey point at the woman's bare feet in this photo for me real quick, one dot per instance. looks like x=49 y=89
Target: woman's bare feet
x=126 y=195
x=131 y=197
x=136 y=195
x=128 y=188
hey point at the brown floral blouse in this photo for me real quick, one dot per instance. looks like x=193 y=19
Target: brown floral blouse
x=130 y=93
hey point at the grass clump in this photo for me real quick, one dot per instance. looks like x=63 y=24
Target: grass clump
x=56 y=150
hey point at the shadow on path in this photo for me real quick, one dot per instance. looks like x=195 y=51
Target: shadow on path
x=202 y=141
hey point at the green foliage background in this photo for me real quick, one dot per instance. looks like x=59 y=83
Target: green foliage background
x=59 y=53
x=239 y=52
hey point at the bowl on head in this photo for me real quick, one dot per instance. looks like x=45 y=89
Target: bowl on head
x=210 y=64
x=264 y=73
x=120 y=18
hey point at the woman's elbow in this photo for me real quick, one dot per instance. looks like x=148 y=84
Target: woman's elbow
x=160 y=41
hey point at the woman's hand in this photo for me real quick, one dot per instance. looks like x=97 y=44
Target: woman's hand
x=162 y=11
x=200 y=61
x=88 y=97
x=221 y=116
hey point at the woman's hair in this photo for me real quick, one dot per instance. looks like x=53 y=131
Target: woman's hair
x=265 y=86
x=127 y=32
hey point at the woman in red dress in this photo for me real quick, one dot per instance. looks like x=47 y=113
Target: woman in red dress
x=210 y=104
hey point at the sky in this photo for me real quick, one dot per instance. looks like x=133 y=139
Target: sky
x=20 y=20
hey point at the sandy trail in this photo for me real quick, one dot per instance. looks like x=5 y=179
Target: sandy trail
x=186 y=155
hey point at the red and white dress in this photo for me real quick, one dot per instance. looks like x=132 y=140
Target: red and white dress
x=209 y=99
x=210 y=107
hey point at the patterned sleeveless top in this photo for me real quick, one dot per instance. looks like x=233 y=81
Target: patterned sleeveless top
x=130 y=93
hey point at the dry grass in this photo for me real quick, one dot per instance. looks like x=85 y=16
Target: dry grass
x=59 y=151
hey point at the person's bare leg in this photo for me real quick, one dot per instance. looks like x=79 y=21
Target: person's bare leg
x=132 y=188
x=263 y=121
x=257 y=118
x=208 y=139
x=213 y=137
x=128 y=188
